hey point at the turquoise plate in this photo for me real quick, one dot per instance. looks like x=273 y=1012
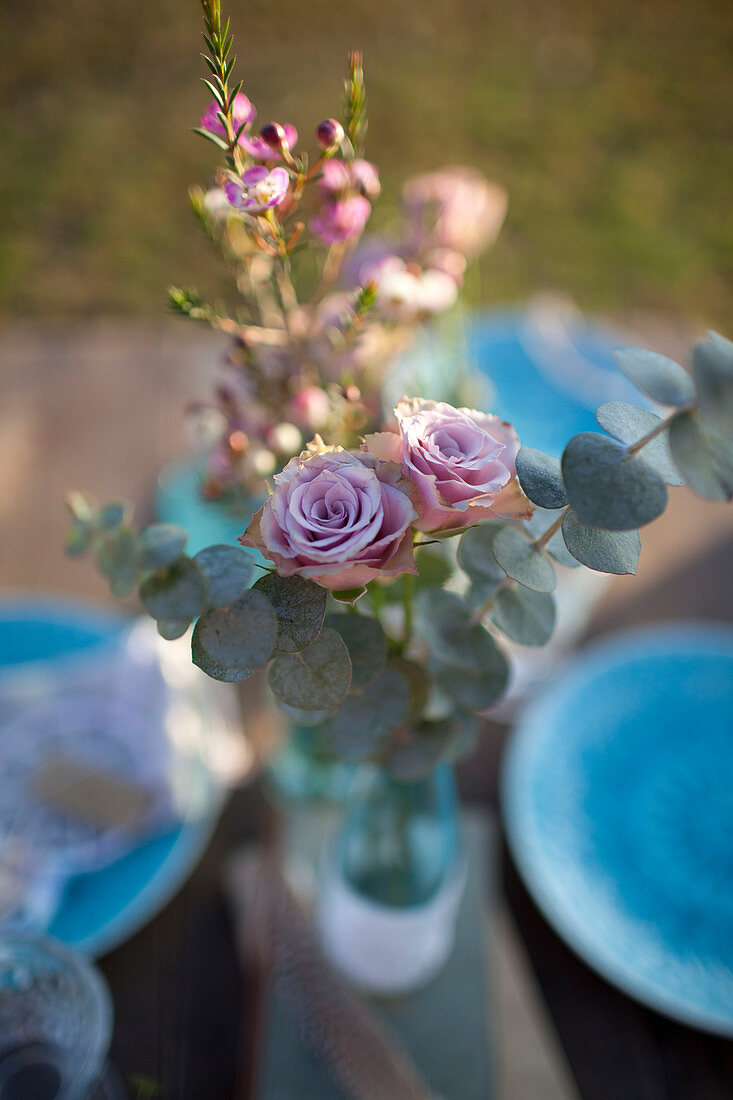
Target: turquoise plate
x=617 y=793
x=100 y=909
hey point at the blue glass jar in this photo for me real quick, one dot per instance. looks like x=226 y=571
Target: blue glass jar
x=393 y=883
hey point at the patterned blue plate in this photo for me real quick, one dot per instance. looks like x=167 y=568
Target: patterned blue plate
x=618 y=801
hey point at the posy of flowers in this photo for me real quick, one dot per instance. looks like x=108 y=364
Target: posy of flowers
x=392 y=566
x=370 y=627
x=317 y=313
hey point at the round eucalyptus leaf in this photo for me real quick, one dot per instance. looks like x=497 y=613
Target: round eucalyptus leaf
x=451 y=635
x=212 y=667
x=349 y=595
x=316 y=678
x=475 y=555
x=605 y=551
x=228 y=571
x=242 y=634
x=433 y=568
x=515 y=554
x=117 y=559
x=160 y=545
x=478 y=595
x=414 y=753
x=300 y=606
x=367 y=718
x=418 y=682
x=476 y=688
x=366 y=643
x=179 y=592
x=628 y=423
x=712 y=366
x=555 y=547
x=703 y=457
x=663 y=379
x=170 y=629
x=110 y=516
x=123 y=585
x=541 y=478
x=79 y=538
x=524 y=616
x=608 y=487
x=305 y=718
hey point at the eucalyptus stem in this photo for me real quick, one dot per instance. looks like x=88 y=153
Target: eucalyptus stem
x=544 y=538
x=658 y=429
x=479 y=615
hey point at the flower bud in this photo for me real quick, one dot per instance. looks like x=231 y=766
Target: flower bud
x=264 y=463
x=285 y=439
x=310 y=408
x=329 y=134
x=274 y=135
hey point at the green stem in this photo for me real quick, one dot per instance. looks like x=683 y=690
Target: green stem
x=554 y=527
x=654 y=432
x=407 y=595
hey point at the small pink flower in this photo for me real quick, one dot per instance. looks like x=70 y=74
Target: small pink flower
x=243 y=114
x=454 y=208
x=261 y=149
x=405 y=291
x=341 y=219
x=334 y=177
x=365 y=178
x=461 y=461
x=359 y=175
x=338 y=517
x=258 y=189
x=310 y=409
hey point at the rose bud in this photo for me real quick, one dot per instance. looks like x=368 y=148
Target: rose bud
x=329 y=135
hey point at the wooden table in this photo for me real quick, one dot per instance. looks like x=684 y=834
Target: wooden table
x=98 y=407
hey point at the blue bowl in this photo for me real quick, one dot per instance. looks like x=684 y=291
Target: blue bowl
x=617 y=800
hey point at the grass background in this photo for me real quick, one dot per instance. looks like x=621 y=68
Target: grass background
x=609 y=122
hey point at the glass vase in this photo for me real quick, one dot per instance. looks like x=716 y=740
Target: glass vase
x=393 y=882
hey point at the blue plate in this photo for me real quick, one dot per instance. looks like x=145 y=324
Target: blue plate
x=548 y=388
x=619 y=811
x=546 y=371
x=98 y=910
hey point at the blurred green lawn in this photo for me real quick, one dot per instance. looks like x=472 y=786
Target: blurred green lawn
x=608 y=121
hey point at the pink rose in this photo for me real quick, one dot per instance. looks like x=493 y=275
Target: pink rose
x=339 y=517
x=454 y=208
x=462 y=462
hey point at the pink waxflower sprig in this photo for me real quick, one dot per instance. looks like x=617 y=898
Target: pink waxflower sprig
x=269 y=202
